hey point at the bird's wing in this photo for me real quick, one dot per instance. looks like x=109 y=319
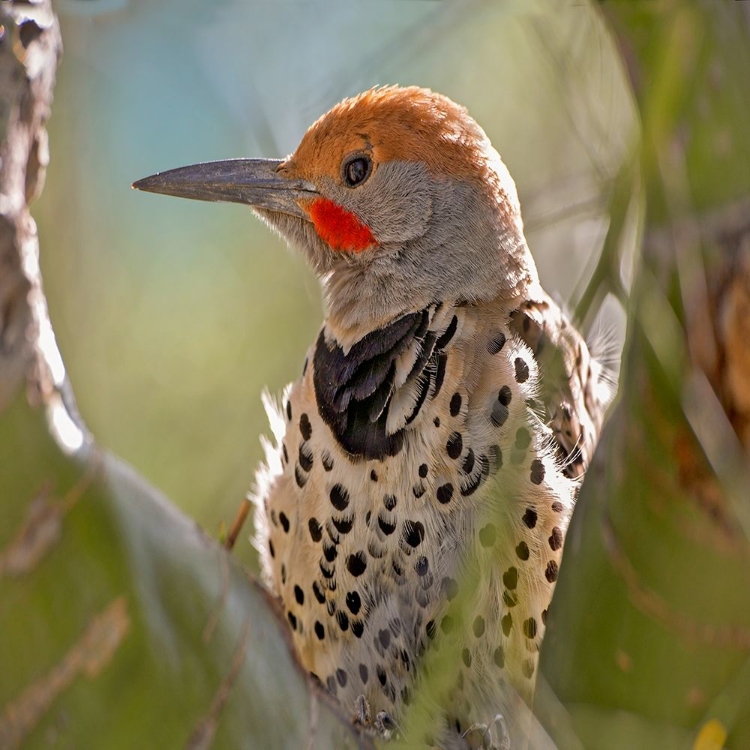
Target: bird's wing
x=576 y=389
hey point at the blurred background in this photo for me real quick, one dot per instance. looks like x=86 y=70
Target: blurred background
x=172 y=316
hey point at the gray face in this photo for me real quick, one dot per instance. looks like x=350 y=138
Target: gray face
x=439 y=239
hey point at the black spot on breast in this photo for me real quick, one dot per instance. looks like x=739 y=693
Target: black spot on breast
x=556 y=540
x=496 y=343
x=305 y=458
x=384 y=636
x=331 y=685
x=413 y=533
x=505 y=396
x=499 y=414
x=316 y=533
x=522 y=370
x=447 y=624
x=473 y=486
x=468 y=464
x=422 y=597
x=529 y=517
x=320 y=631
x=529 y=628
x=358 y=628
x=380 y=672
x=422 y=566
x=522 y=551
x=445 y=493
x=510 y=578
x=418 y=490
x=455 y=404
x=292 y=620
x=356 y=564
x=507 y=623
x=390 y=502
x=385 y=526
x=466 y=657
x=284 y=521
x=341 y=677
x=498 y=656
x=450 y=588
x=557 y=506
x=289 y=410
x=487 y=535
x=342 y=620
x=510 y=598
x=330 y=553
x=285 y=452
x=299 y=595
x=455 y=445
x=478 y=626
x=343 y=525
x=353 y=602
x=271 y=548
x=537 y=471
x=373 y=476
x=305 y=427
x=405 y=660
x=318 y=591
x=430 y=629
x=551 y=570
x=283 y=573
x=300 y=477
x=327 y=460
x=339 y=497
x=363 y=675
x=423 y=470
x=523 y=438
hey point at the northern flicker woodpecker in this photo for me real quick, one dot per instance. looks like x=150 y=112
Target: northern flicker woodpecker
x=431 y=451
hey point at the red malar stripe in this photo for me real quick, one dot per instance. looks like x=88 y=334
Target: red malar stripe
x=338 y=227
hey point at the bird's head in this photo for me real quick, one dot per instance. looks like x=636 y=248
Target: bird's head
x=397 y=198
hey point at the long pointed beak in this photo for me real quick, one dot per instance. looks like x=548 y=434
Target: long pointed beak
x=254 y=182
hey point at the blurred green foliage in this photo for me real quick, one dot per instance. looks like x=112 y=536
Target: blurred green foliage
x=649 y=633
x=117 y=612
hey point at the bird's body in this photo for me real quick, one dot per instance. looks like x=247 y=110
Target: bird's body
x=368 y=551
x=425 y=465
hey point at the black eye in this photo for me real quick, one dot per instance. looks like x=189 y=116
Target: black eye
x=357 y=170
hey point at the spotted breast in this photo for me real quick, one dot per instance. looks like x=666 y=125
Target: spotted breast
x=411 y=472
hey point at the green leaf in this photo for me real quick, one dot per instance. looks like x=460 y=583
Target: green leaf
x=123 y=625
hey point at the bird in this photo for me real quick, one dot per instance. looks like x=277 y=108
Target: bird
x=413 y=504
